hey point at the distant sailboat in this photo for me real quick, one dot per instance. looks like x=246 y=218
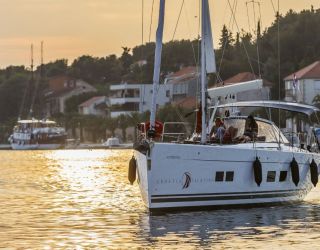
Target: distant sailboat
x=33 y=133
x=207 y=172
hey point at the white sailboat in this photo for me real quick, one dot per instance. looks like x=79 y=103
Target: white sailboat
x=205 y=173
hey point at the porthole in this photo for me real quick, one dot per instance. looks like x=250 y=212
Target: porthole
x=271 y=176
x=219 y=176
x=283 y=176
x=229 y=175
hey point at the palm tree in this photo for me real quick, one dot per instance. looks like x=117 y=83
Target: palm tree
x=124 y=123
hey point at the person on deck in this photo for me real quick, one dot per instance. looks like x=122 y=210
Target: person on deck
x=251 y=128
x=218 y=130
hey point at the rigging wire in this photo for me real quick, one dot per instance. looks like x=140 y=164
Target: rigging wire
x=192 y=46
x=151 y=18
x=273 y=6
x=260 y=15
x=176 y=26
x=23 y=100
x=142 y=54
x=244 y=46
x=248 y=16
x=27 y=87
x=195 y=57
x=142 y=18
x=38 y=81
x=234 y=6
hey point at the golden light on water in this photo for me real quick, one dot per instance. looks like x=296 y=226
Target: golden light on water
x=82 y=172
x=81 y=199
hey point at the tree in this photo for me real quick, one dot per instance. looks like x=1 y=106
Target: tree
x=226 y=39
x=112 y=124
x=124 y=123
x=126 y=60
x=56 y=68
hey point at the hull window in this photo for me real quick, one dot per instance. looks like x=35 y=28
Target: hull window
x=219 y=176
x=229 y=175
x=271 y=177
x=283 y=176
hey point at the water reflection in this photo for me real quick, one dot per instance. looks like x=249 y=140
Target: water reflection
x=82 y=199
x=280 y=226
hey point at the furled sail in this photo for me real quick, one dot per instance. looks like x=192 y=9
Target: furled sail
x=157 y=63
x=208 y=43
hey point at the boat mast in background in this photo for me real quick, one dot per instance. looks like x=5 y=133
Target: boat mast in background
x=156 y=71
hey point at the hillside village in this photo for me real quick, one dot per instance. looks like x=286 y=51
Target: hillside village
x=95 y=98
x=178 y=89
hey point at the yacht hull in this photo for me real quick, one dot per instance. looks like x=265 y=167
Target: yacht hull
x=181 y=176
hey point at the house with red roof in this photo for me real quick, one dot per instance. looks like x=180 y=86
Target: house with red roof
x=96 y=105
x=60 y=89
x=183 y=83
x=304 y=84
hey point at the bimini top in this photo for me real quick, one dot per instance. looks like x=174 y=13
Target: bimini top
x=290 y=106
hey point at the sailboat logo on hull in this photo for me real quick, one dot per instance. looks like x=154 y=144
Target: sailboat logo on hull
x=186 y=180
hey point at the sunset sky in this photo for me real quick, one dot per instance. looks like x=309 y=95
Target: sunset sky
x=71 y=28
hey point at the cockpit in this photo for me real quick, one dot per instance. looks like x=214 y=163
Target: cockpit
x=235 y=130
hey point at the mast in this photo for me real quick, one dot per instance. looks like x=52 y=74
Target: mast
x=32 y=82
x=203 y=81
x=31 y=57
x=208 y=63
x=156 y=69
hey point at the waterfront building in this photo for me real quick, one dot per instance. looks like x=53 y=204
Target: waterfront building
x=96 y=105
x=60 y=89
x=303 y=85
x=126 y=98
x=184 y=83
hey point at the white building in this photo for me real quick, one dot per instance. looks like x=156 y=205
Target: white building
x=94 y=106
x=184 y=83
x=127 y=98
x=304 y=84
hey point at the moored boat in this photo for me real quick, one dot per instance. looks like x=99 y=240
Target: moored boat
x=37 y=134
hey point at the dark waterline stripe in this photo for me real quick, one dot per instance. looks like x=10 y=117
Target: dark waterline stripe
x=214 y=198
x=233 y=193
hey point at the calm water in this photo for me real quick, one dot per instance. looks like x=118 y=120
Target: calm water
x=81 y=199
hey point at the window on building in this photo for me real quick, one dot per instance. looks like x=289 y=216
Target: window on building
x=271 y=176
x=229 y=175
x=168 y=93
x=316 y=85
x=219 y=176
x=283 y=176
